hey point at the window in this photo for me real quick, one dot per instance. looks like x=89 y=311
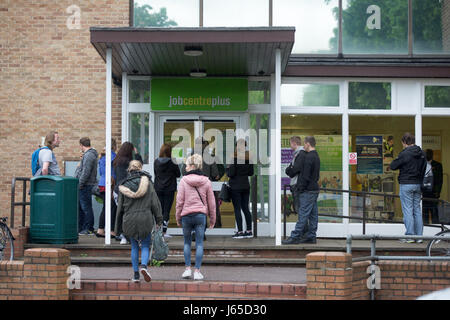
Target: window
x=139 y=132
x=310 y=95
x=235 y=13
x=369 y=95
x=139 y=91
x=437 y=96
x=431 y=26
x=315 y=26
x=166 y=13
x=375 y=27
x=258 y=92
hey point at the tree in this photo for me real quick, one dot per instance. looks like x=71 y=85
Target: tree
x=144 y=18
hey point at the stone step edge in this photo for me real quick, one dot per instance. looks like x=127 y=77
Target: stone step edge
x=182 y=286
x=117 y=295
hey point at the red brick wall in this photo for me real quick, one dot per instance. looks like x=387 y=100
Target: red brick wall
x=51 y=77
x=41 y=276
x=332 y=275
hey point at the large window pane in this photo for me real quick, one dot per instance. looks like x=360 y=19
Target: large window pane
x=166 y=13
x=315 y=25
x=377 y=141
x=369 y=95
x=235 y=13
x=437 y=96
x=139 y=127
x=139 y=91
x=310 y=95
x=431 y=26
x=258 y=92
x=328 y=134
x=375 y=27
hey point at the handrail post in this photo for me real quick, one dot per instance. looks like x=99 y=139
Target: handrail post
x=364 y=213
x=372 y=264
x=284 y=211
x=13 y=200
x=24 y=199
x=349 y=244
x=255 y=206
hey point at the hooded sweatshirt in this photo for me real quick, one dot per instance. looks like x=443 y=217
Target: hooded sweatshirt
x=190 y=201
x=166 y=174
x=87 y=171
x=137 y=205
x=412 y=164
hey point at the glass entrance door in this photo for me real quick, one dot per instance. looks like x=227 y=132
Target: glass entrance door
x=181 y=134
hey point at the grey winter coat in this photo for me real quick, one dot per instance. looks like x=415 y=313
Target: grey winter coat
x=137 y=205
x=87 y=170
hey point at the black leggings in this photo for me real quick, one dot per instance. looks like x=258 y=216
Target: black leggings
x=101 y=222
x=240 y=199
x=166 y=200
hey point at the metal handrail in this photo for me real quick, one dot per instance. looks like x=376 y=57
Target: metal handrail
x=364 y=218
x=374 y=257
x=24 y=202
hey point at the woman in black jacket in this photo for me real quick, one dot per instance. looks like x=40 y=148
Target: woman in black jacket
x=166 y=174
x=238 y=172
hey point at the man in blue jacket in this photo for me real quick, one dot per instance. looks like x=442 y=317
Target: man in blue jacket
x=412 y=165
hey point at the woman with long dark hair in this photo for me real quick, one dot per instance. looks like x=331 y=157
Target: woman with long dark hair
x=166 y=174
x=125 y=155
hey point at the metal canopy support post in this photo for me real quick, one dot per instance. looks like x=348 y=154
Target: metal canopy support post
x=276 y=146
x=108 y=146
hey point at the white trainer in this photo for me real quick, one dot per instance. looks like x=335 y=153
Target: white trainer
x=187 y=274
x=124 y=241
x=198 y=275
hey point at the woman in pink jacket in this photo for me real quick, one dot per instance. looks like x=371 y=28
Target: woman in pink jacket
x=195 y=201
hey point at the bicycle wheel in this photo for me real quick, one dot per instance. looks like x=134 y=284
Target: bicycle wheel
x=6 y=239
x=440 y=247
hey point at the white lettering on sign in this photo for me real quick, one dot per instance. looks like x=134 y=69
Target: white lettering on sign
x=74 y=21
x=374 y=281
x=374 y=21
x=199 y=101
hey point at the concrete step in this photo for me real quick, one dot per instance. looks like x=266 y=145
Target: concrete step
x=186 y=290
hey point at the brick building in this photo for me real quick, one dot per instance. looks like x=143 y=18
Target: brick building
x=53 y=77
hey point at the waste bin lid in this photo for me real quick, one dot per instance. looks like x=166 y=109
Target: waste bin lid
x=53 y=178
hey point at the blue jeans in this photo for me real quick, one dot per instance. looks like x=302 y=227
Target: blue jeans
x=193 y=222
x=145 y=252
x=86 y=214
x=308 y=216
x=410 y=195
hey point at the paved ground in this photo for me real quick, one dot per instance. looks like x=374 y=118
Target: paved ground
x=211 y=273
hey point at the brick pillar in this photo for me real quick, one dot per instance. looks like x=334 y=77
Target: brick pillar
x=329 y=276
x=45 y=274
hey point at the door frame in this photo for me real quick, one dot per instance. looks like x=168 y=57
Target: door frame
x=241 y=119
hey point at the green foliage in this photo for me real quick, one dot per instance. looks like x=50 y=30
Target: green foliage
x=143 y=17
x=321 y=96
x=437 y=97
x=368 y=95
x=156 y=263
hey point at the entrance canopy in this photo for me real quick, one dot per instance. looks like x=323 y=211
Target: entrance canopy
x=224 y=51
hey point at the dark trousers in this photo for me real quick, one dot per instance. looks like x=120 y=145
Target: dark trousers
x=240 y=199
x=430 y=208
x=101 y=222
x=86 y=214
x=166 y=200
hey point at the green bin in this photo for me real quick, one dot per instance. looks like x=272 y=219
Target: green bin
x=54 y=210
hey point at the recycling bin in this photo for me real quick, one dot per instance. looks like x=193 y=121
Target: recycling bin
x=54 y=210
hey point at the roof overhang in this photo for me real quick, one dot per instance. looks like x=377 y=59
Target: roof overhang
x=226 y=51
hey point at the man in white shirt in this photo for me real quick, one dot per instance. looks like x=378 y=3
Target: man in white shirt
x=47 y=160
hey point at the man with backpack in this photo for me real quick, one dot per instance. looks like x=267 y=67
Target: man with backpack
x=43 y=160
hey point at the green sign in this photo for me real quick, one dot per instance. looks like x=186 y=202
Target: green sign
x=199 y=94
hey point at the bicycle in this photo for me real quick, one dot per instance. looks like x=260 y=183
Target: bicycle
x=441 y=247
x=5 y=238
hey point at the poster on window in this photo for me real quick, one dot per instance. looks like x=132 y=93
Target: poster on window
x=370 y=154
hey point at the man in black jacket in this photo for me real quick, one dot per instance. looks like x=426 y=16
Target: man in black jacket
x=412 y=164
x=293 y=171
x=432 y=206
x=308 y=187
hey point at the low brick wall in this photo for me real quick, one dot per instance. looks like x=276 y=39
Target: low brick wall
x=40 y=276
x=20 y=235
x=332 y=275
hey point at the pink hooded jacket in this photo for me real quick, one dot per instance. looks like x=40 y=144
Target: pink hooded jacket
x=188 y=200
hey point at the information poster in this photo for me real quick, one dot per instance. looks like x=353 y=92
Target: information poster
x=370 y=154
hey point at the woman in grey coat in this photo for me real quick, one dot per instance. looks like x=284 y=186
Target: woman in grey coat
x=137 y=205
